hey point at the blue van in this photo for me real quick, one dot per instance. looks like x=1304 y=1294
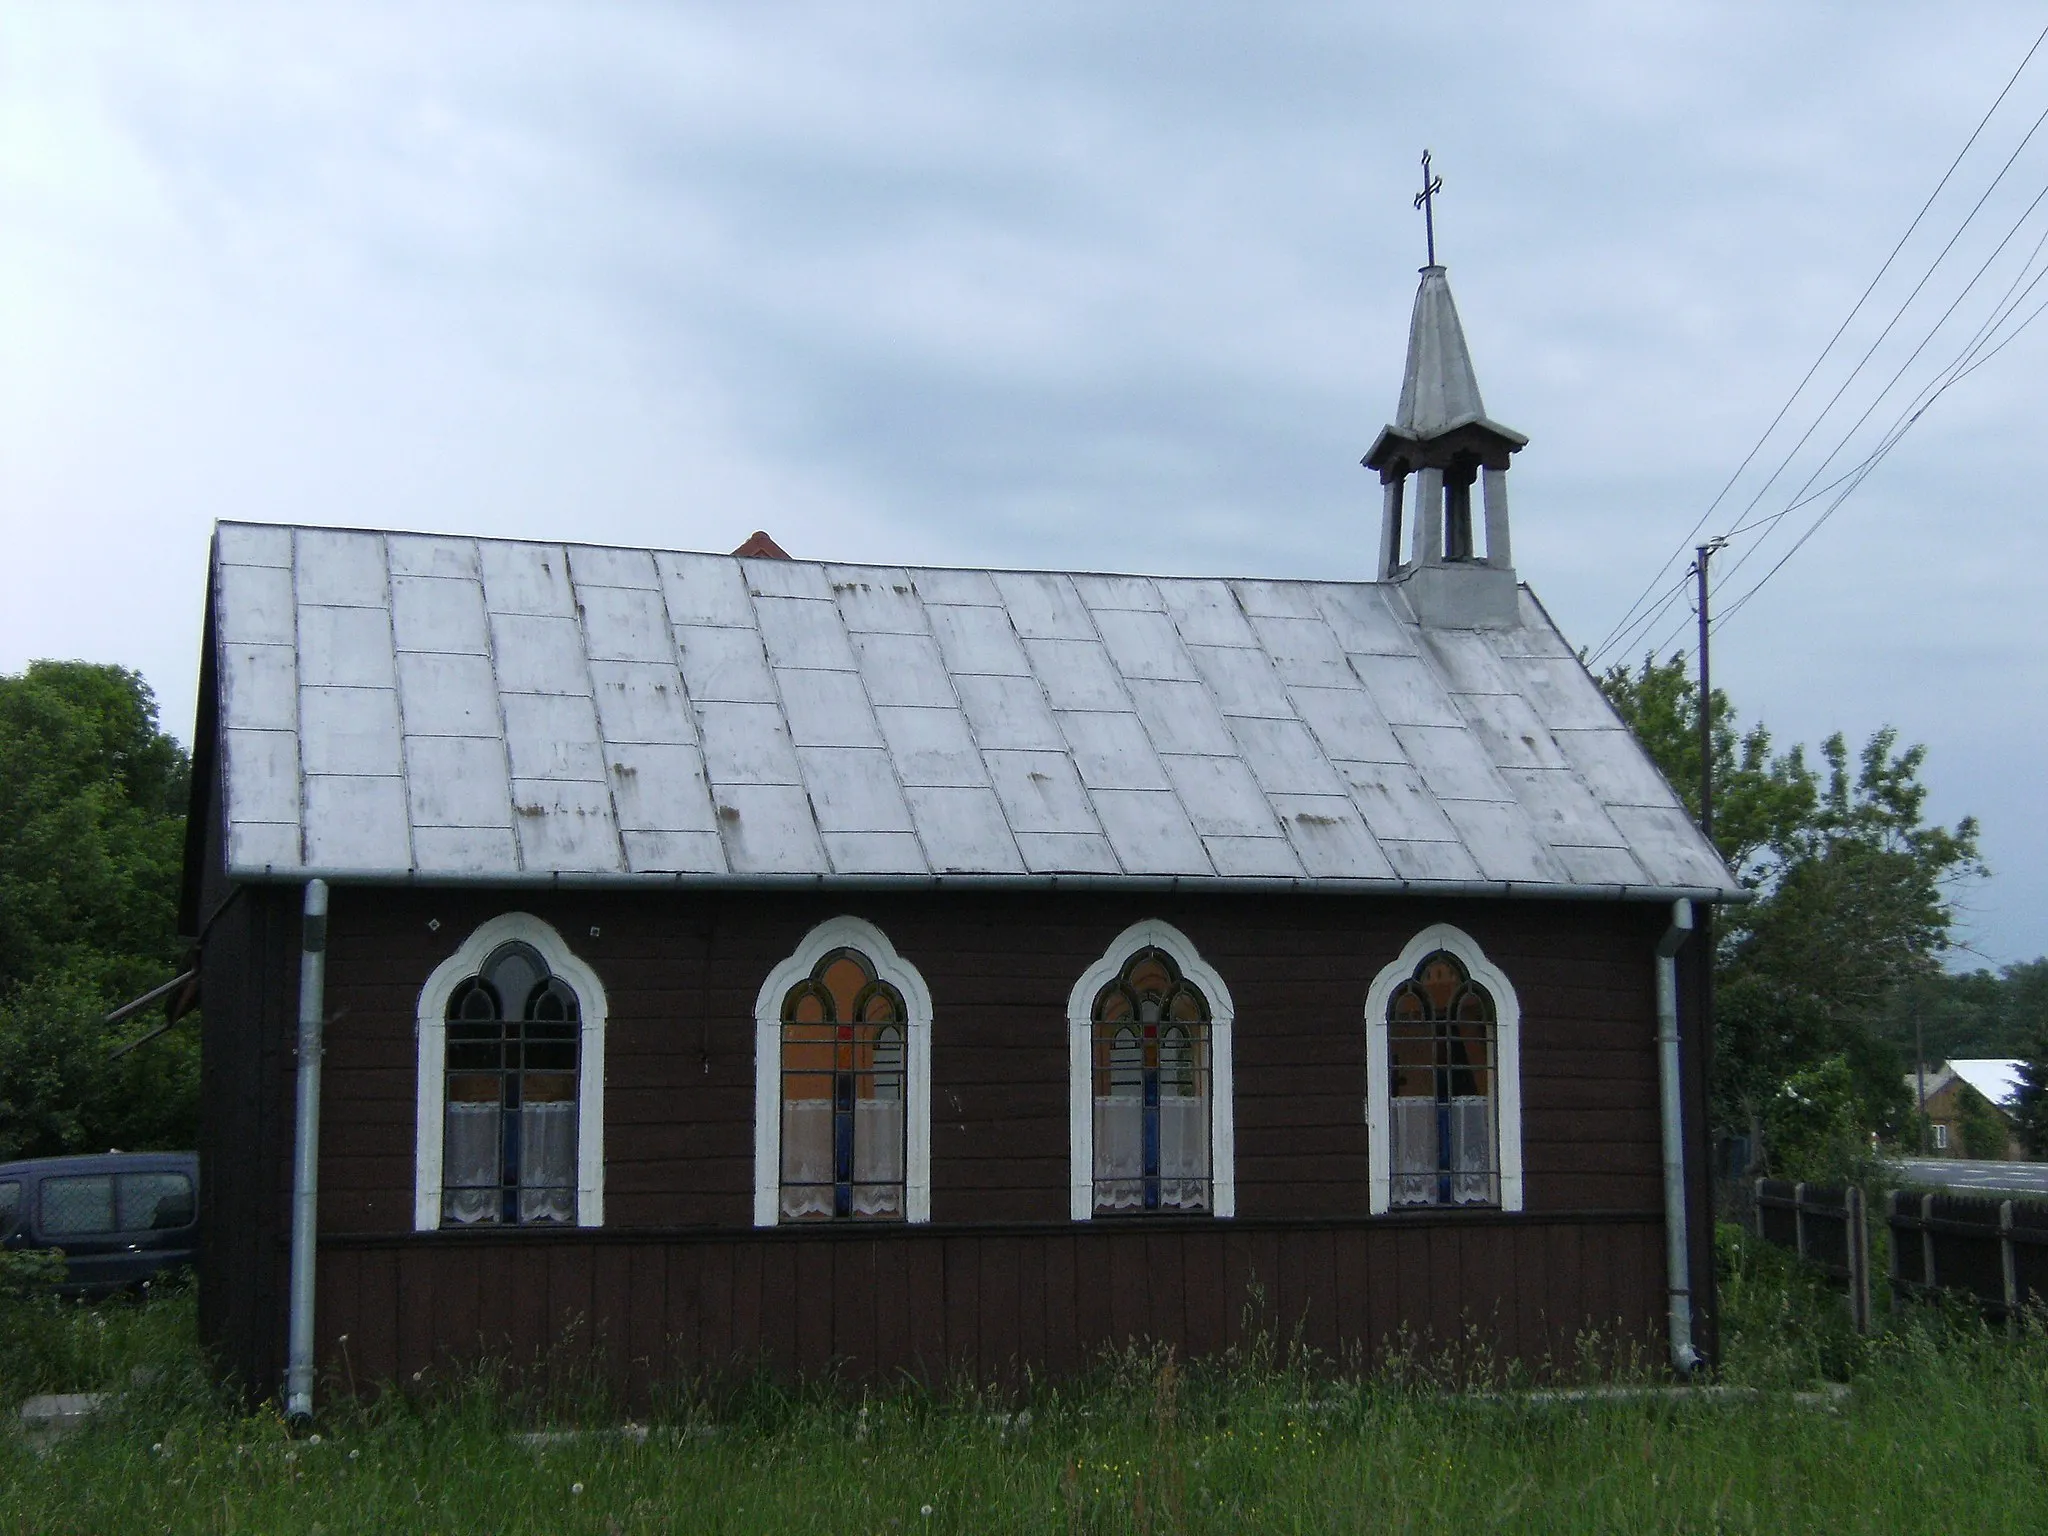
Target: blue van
x=120 y=1218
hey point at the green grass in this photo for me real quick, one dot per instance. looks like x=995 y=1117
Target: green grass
x=1941 y=1432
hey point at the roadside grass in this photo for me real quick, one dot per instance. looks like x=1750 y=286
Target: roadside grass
x=1943 y=1429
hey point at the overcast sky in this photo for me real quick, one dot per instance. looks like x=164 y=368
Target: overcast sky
x=1106 y=286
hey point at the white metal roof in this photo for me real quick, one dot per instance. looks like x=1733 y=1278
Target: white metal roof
x=1996 y=1078
x=399 y=706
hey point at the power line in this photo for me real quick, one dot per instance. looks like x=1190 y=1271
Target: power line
x=1650 y=586
x=1956 y=372
x=1901 y=424
x=1886 y=332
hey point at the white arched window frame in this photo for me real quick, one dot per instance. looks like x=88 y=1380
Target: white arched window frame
x=432 y=1029
x=1508 y=1057
x=856 y=934
x=1149 y=934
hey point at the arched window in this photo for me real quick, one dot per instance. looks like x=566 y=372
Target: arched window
x=842 y=1092
x=1152 y=1122
x=1443 y=1078
x=842 y=1107
x=510 y=1093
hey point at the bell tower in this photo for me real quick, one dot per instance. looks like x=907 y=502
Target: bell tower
x=1440 y=445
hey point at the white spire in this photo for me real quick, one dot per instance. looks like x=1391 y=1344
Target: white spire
x=1439 y=390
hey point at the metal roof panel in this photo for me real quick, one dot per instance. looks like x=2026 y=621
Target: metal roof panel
x=458 y=781
x=795 y=719
x=1150 y=832
x=963 y=831
x=344 y=648
x=565 y=825
x=932 y=748
x=1008 y=712
x=1111 y=750
x=425 y=554
x=442 y=695
x=625 y=624
x=439 y=613
x=642 y=701
x=768 y=829
x=1042 y=793
x=253 y=604
x=705 y=589
x=1206 y=613
x=904 y=669
x=553 y=736
x=340 y=570
x=526 y=578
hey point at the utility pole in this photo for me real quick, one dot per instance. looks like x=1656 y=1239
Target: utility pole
x=1920 y=1073
x=1704 y=553
x=1704 y=923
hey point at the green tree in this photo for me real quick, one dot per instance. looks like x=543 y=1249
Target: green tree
x=2030 y=1104
x=92 y=802
x=1851 y=896
x=1983 y=1128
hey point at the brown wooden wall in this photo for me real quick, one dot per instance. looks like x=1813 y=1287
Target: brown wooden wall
x=984 y=1303
x=681 y=971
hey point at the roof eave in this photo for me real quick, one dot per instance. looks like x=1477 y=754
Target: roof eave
x=1524 y=890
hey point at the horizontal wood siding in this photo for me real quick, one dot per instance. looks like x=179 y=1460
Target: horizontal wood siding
x=681 y=973
x=985 y=1303
x=693 y=1283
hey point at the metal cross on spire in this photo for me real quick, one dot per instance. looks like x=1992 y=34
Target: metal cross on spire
x=1426 y=201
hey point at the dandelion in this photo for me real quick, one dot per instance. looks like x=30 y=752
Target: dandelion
x=158 y=1448
x=352 y=1455
x=575 y=1488
x=926 y=1511
x=312 y=1439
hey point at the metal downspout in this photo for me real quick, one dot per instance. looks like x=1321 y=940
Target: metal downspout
x=1677 y=1248
x=298 y=1379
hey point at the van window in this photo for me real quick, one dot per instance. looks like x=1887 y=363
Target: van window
x=155 y=1201
x=10 y=1205
x=81 y=1204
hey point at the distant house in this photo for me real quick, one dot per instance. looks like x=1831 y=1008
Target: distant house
x=865 y=970
x=1952 y=1088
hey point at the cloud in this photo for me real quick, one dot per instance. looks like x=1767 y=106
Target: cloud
x=1072 y=286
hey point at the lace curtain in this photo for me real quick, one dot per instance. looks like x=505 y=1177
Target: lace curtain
x=469 y=1164
x=1417 y=1154
x=877 y=1157
x=547 y=1162
x=807 y=1157
x=1183 y=1153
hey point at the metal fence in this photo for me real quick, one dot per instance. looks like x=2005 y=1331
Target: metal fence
x=1992 y=1251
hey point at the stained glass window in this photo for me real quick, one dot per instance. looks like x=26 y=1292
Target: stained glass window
x=509 y=1146
x=844 y=1037
x=1151 y=1053
x=1441 y=1042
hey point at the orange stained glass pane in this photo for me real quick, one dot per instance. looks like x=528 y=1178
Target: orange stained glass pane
x=806 y=1085
x=844 y=978
x=880 y=1008
x=806 y=1006
x=1440 y=978
x=547 y=1088
x=478 y=1089
x=1407 y=1003
x=1113 y=1006
x=1187 y=1007
x=1150 y=974
x=1475 y=1005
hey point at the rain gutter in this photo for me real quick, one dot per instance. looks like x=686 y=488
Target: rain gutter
x=527 y=879
x=1685 y=1359
x=298 y=1379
